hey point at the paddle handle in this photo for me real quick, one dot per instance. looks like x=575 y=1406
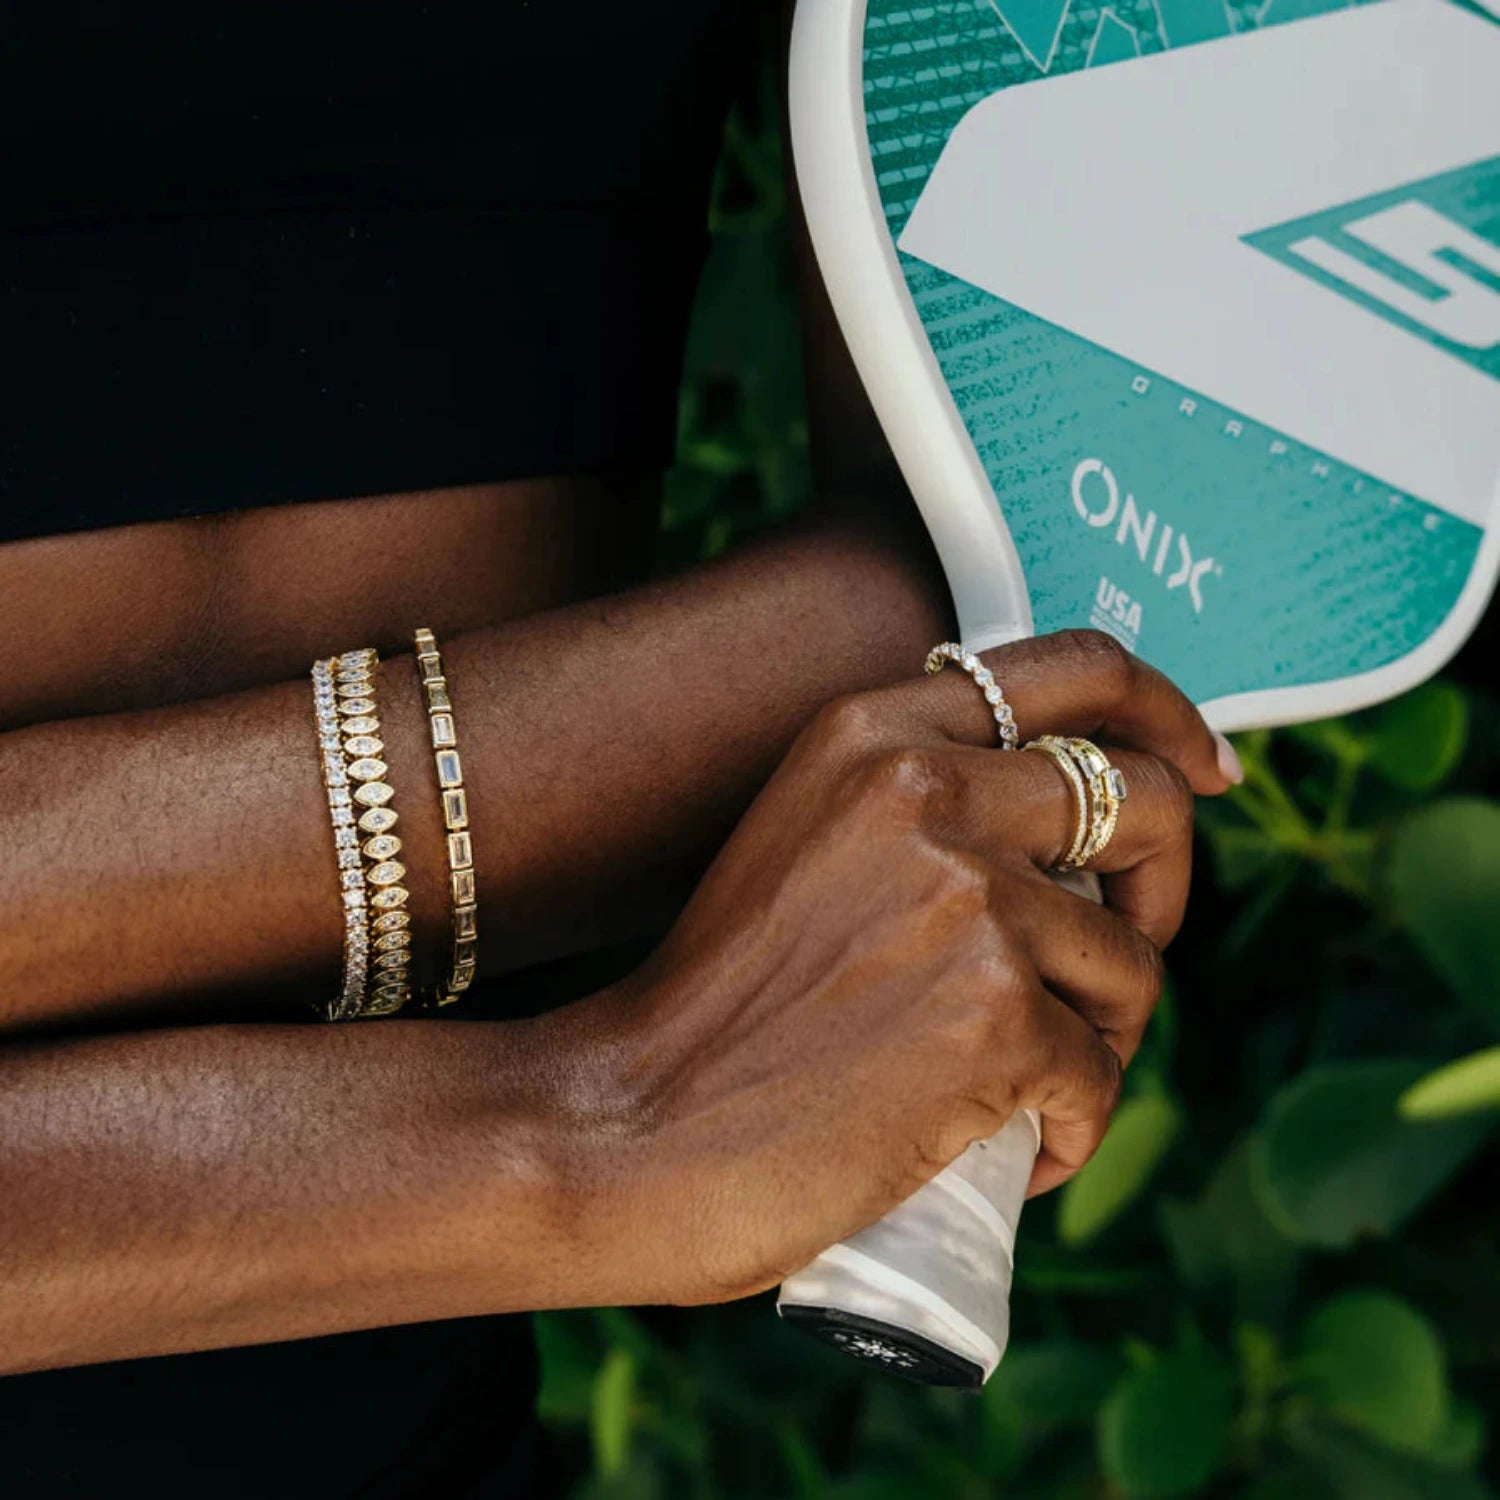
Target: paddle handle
x=925 y=1291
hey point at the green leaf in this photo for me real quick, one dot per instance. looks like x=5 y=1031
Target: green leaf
x=1351 y=1467
x=1060 y=1383
x=1443 y=875
x=1046 y=1269
x=1287 y=1482
x=1227 y=1240
x=1242 y=855
x=1162 y=1429
x=1142 y=1130
x=612 y=1413
x=1419 y=738
x=566 y=1394
x=1334 y=1161
x=1376 y=1361
x=1458 y=1088
x=1460 y=1443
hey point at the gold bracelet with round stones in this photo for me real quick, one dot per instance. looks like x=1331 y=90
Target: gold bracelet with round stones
x=345 y=838
x=455 y=800
x=1058 y=749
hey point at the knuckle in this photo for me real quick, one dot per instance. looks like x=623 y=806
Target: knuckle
x=1086 y=1076
x=1004 y=975
x=1175 y=795
x=891 y=789
x=964 y=889
x=909 y=773
x=1110 y=1078
x=1146 y=972
x=846 y=724
x=1104 y=659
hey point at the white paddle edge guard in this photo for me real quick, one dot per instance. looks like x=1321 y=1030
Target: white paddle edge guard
x=860 y=269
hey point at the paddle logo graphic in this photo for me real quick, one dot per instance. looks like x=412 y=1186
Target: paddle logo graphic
x=1100 y=504
x=1405 y=259
x=1248 y=271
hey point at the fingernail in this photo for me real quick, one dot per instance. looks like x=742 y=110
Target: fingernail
x=1229 y=762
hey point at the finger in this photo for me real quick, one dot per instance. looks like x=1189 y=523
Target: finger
x=1075 y=1092
x=1081 y=682
x=1094 y=961
x=1023 y=803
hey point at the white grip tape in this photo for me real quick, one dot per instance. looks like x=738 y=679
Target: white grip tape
x=939 y=1264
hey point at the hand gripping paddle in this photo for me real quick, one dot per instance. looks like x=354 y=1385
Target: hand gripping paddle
x=1182 y=318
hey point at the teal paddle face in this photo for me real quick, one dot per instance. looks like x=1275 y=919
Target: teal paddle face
x=1214 y=292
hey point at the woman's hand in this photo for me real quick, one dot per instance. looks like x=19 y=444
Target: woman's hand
x=877 y=970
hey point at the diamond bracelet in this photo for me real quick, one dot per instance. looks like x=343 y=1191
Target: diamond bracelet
x=455 y=804
x=377 y=936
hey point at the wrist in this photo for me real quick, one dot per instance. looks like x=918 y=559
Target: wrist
x=569 y=1120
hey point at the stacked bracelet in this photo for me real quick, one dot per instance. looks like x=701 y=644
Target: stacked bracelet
x=377 y=937
x=340 y=807
x=386 y=895
x=450 y=777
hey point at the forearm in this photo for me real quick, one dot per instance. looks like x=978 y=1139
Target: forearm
x=173 y=855
x=191 y=1189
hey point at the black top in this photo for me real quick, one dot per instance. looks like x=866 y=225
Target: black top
x=254 y=253
x=257 y=253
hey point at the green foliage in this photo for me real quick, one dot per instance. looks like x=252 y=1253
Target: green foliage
x=1164 y=1426
x=1334 y=1160
x=1444 y=880
x=1140 y=1134
x=1278 y=1280
x=611 y=1416
x=1374 y=1359
x=1417 y=740
x=1458 y=1088
x=1226 y=1248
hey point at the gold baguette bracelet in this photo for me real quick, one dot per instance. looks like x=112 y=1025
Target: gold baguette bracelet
x=345 y=838
x=450 y=776
x=389 y=979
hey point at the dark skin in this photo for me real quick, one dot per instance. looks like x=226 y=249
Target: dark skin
x=878 y=926
x=875 y=972
x=205 y=838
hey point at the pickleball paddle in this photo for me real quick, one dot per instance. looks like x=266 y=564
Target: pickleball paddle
x=1182 y=318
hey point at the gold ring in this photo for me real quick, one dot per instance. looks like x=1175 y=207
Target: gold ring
x=984 y=680
x=1107 y=790
x=1056 y=749
x=1098 y=790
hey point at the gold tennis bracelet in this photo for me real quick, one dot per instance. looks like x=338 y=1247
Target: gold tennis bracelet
x=345 y=839
x=377 y=936
x=450 y=777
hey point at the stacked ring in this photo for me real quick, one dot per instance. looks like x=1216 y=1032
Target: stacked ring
x=1098 y=790
x=984 y=680
x=1107 y=791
